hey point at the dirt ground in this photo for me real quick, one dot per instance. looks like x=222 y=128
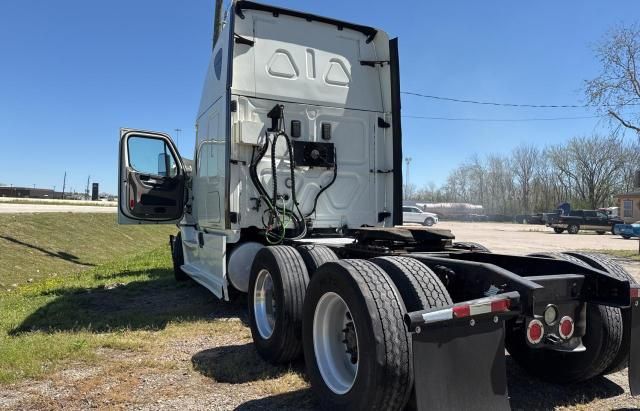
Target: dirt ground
x=213 y=365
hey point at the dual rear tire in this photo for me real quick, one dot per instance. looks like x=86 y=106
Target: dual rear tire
x=357 y=348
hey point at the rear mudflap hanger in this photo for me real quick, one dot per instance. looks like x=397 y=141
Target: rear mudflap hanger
x=459 y=355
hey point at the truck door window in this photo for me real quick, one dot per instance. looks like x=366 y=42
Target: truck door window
x=151 y=156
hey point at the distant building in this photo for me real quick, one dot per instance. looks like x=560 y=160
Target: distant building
x=629 y=203
x=29 y=192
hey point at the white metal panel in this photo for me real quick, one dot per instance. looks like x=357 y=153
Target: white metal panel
x=297 y=60
x=206 y=264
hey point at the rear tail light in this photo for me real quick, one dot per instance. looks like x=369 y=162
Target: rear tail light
x=132 y=203
x=566 y=327
x=635 y=292
x=535 y=331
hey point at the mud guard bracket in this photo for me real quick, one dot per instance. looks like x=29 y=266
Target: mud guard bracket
x=459 y=366
x=634 y=349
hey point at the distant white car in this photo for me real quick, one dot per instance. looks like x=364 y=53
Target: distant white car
x=412 y=214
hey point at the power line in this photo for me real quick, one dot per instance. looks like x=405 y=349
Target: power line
x=505 y=120
x=491 y=103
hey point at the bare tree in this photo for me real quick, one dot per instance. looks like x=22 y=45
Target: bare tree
x=617 y=88
x=524 y=160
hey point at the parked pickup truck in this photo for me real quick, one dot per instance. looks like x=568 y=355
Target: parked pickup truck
x=577 y=220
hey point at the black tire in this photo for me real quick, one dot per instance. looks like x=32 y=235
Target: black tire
x=600 y=232
x=613 y=229
x=573 y=229
x=465 y=245
x=626 y=237
x=177 y=257
x=290 y=279
x=602 y=339
x=384 y=377
x=558 y=230
x=604 y=263
x=316 y=255
x=419 y=287
x=429 y=222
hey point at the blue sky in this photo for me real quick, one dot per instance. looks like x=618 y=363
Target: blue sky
x=72 y=72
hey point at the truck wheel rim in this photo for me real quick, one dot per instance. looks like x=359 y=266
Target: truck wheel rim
x=335 y=343
x=264 y=304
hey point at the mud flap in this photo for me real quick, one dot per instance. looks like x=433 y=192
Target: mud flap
x=461 y=367
x=634 y=350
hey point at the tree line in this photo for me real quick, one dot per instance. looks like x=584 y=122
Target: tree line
x=585 y=171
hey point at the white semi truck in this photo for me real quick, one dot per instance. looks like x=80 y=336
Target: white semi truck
x=293 y=196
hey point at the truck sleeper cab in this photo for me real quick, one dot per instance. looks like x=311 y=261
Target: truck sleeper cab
x=293 y=196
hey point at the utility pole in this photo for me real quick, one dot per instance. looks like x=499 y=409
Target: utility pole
x=86 y=191
x=64 y=184
x=406 y=180
x=178 y=131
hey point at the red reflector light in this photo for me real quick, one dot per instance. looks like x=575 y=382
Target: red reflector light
x=535 y=330
x=460 y=311
x=635 y=292
x=132 y=203
x=565 y=329
x=500 y=305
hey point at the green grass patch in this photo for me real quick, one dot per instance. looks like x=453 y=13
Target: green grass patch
x=121 y=305
x=35 y=246
x=633 y=255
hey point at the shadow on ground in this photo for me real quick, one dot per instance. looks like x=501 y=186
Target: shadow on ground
x=294 y=400
x=238 y=364
x=148 y=304
x=60 y=254
x=526 y=393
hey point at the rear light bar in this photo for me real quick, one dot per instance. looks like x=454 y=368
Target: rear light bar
x=488 y=305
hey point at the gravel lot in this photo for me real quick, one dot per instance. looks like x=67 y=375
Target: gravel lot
x=527 y=238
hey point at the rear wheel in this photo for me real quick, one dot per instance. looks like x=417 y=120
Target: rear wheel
x=604 y=263
x=356 y=346
x=626 y=237
x=573 y=229
x=277 y=287
x=316 y=255
x=600 y=232
x=177 y=257
x=602 y=340
x=558 y=230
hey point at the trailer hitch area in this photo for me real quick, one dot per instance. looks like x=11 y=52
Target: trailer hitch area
x=458 y=354
x=634 y=348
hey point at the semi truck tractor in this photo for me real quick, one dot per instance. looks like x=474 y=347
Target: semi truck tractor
x=294 y=197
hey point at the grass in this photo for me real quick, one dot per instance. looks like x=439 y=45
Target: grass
x=131 y=304
x=56 y=202
x=35 y=246
x=633 y=255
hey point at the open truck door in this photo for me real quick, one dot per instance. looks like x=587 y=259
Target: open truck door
x=151 y=183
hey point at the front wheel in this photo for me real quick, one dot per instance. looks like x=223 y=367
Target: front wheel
x=177 y=258
x=429 y=222
x=573 y=229
x=626 y=237
x=600 y=232
x=558 y=230
x=277 y=286
x=356 y=346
